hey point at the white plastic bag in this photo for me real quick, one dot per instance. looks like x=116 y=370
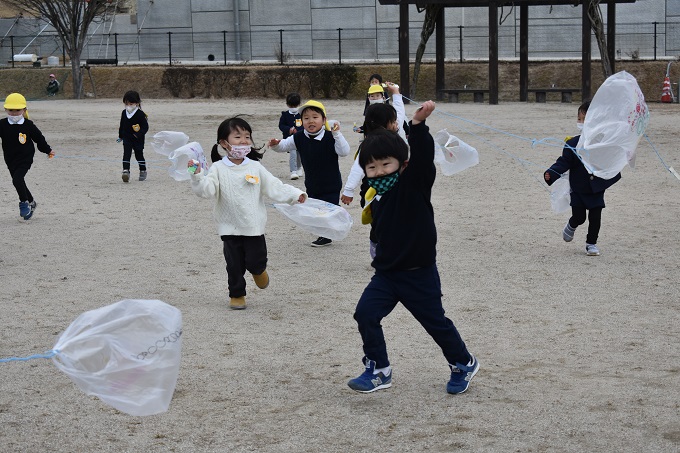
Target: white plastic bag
x=452 y=154
x=165 y=142
x=616 y=119
x=127 y=354
x=560 y=194
x=180 y=158
x=319 y=217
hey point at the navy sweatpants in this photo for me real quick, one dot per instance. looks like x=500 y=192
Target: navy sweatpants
x=419 y=290
x=243 y=253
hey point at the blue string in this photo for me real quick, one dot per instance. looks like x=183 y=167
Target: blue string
x=46 y=355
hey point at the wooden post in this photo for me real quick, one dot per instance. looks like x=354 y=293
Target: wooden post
x=611 y=34
x=440 y=52
x=404 y=73
x=585 y=52
x=524 y=53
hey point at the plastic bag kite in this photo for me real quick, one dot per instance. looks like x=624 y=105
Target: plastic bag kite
x=615 y=122
x=165 y=142
x=319 y=217
x=127 y=354
x=452 y=154
x=560 y=194
x=180 y=158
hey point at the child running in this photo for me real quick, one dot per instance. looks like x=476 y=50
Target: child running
x=133 y=128
x=405 y=264
x=319 y=153
x=238 y=183
x=18 y=134
x=290 y=123
x=587 y=191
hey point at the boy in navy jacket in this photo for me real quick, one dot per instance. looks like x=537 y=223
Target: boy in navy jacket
x=290 y=123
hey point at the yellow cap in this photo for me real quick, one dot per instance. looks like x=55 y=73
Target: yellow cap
x=318 y=105
x=376 y=89
x=15 y=101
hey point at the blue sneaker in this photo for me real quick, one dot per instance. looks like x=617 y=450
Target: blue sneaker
x=369 y=382
x=461 y=375
x=25 y=210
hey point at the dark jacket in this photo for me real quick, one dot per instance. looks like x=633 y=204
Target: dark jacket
x=17 y=143
x=403 y=218
x=320 y=161
x=579 y=178
x=132 y=130
x=289 y=120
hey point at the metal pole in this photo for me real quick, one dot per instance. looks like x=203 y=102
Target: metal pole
x=339 y=45
x=63 y=56
x=281 y=45
x=170 y=47
x=224 y=43
x=655 y=39
x=115 y=45
x=11 y=44
x=460 y=42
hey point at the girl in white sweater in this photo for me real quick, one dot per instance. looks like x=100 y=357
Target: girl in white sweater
x=238 y=183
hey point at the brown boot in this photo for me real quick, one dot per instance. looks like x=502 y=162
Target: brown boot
x=262 y=280
x=237 y=303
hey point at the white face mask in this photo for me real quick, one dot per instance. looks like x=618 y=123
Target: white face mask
x=130 y=108
x=376 y=101
x=238 y=151
x=293 y=111
x=579 y=126
x=14 y=119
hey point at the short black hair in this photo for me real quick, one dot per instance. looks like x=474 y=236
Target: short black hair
x=381 y=144
x=375 y=76
x=133 y=97
x=293 y=100
x=583 y=108
x=378 y=116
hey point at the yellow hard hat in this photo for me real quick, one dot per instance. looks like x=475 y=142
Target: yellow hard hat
x=376 y=89
x=15 y=101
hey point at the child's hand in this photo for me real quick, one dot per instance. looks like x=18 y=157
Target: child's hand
x=425 y=110
x=546 y=176
x=334 y=125
x=392 y=88
x=51 y=154
x=292 y=130
x=302 y=198
x=273 y=142
x=346 y=200
x=193 y=167
x=118 y=140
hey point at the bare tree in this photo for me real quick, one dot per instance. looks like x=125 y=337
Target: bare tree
x=71 y=20
x=429 y=23
x=595 y=15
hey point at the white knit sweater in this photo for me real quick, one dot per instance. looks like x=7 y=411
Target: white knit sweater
x=239 y=191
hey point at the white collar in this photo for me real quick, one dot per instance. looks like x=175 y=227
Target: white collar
x=21 y=121
x=130 y=115
x=225 y=160
x=318 y=137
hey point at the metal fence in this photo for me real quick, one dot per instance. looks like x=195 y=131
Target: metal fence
x=342 y=45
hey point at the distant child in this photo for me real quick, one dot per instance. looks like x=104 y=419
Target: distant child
x=289 y=124
x=373 y=80
x=587 y=190
x=18 y=134
x=133 y=128
x=52 y=86
x=238 y=183
x=319 y=152
x=405 y=264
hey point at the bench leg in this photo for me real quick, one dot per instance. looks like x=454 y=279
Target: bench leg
x=566 y=97
x=478 y=96
x=540 y=97
x=453 y=97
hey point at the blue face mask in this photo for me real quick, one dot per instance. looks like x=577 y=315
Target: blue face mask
x=382 y=184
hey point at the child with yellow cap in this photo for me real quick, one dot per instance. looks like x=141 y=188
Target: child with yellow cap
x=319 y=145
x=18 y=134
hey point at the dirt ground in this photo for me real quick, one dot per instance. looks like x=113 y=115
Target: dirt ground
x=577 y=353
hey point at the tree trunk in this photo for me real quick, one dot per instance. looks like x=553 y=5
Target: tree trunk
x=595 y=15
x=77 y=74
x=429 y=23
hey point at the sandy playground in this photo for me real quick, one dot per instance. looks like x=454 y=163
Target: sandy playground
x=577 y=353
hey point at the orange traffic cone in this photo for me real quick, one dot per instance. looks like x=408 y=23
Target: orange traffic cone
x=666 y=95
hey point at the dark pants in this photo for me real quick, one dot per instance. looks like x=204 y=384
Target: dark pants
x=18 y=174
x=419 y=290
x=333 y=197
x=578 y=217
x=243 y=253
x=127 y=155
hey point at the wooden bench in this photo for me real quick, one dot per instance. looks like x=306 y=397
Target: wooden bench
x=478 y=93
x=542 y=93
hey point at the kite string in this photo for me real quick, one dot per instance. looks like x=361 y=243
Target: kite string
x=46 y=355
